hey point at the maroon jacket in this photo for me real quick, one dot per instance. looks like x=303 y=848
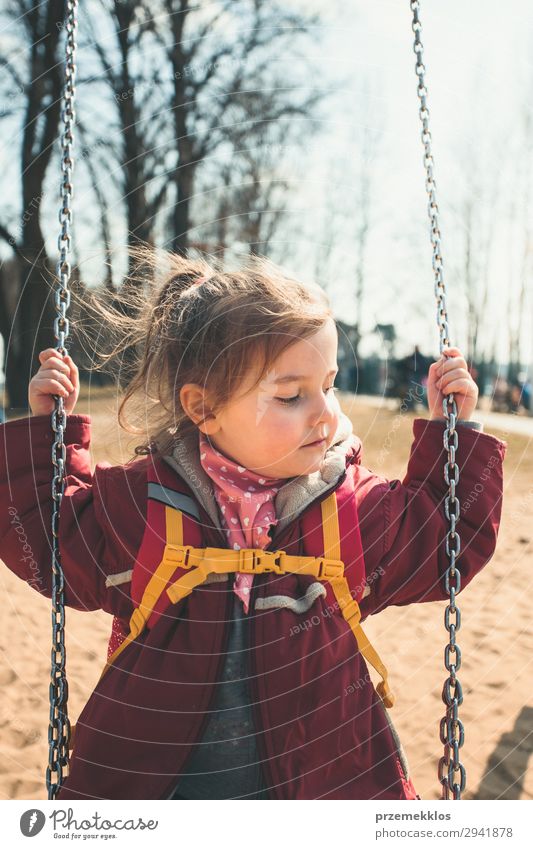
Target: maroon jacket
x=131 y=739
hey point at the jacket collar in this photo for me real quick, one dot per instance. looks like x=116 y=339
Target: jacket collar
x=293 y=497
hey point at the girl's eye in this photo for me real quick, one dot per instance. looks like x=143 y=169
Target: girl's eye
x=288 y=400
x=297 y=397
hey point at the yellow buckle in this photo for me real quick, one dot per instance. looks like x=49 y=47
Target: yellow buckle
x=330 y=568
x=253 y=561
x=384 y=692
x=178 y=554
x=137 y=623
x=351 y=609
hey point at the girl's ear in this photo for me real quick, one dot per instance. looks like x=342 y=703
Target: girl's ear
x=194 y=404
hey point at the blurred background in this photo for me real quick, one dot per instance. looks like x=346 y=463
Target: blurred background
x=289 y=130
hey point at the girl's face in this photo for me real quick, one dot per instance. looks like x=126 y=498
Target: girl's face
x=269 y=429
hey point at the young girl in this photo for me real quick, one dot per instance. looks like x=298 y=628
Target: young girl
x=241 y=546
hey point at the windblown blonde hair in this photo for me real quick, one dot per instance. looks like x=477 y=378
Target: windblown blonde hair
x=175 y=332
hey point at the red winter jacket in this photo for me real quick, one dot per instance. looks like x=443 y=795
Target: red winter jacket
x=141 y=723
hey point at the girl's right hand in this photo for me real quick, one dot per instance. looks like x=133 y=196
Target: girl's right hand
x=57 y=375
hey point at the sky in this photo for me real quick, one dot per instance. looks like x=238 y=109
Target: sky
x=479 y=74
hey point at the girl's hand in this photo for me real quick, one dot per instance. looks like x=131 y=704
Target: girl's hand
x=58 y=375
x=450 y=374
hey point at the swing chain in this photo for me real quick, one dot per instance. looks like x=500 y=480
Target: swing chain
x=451 y=727
x=59 y=725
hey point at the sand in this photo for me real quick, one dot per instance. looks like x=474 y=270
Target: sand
x=496 y=639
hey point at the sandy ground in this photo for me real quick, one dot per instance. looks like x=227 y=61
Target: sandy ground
x=496 y=639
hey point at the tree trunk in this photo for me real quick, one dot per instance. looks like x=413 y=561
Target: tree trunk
x=181 y=215
x=32 y=321
x=31 y=331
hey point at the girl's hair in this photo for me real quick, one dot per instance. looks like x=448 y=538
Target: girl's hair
x=171 y=331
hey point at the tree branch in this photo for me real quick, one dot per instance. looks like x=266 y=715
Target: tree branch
x=155 y=203
x=14 y=73
x=6 y=235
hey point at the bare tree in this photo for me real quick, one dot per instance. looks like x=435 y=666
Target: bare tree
x=353 y=180
x=477 y=214
x=132 y=137
x=35 y=73
x=250 y=206
x=478 y=220
x=171 y=110
x=221 y=59
x=207 y=85
x=88 y=157
x=364 y=186
x=522 y=226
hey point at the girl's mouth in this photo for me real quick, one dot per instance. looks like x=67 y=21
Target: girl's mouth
x=318 y=444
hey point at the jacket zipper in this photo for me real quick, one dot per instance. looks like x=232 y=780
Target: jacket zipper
x=277 y=537
x=206 y=717
x=265 y=766
x=261 y=748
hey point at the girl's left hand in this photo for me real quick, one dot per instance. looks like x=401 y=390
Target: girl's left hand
x=450 y=374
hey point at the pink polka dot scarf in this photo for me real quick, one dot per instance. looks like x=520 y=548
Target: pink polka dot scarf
x=246 y=504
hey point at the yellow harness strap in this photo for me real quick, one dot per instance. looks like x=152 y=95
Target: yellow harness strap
x=348 y=605
x=154 y=587
x=202 y=561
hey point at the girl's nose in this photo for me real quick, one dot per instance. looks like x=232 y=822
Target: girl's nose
x=326 y=412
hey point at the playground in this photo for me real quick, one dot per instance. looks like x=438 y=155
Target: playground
x=496 y=639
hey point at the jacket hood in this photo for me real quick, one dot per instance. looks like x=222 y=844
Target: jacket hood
x=294 y=496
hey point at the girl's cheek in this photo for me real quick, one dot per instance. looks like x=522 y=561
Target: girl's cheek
x=284 y=420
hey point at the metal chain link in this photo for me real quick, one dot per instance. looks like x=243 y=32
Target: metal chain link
x=59 y=726
x=451 y=772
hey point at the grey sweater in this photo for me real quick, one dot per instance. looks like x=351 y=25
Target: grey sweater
x=225 y=764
